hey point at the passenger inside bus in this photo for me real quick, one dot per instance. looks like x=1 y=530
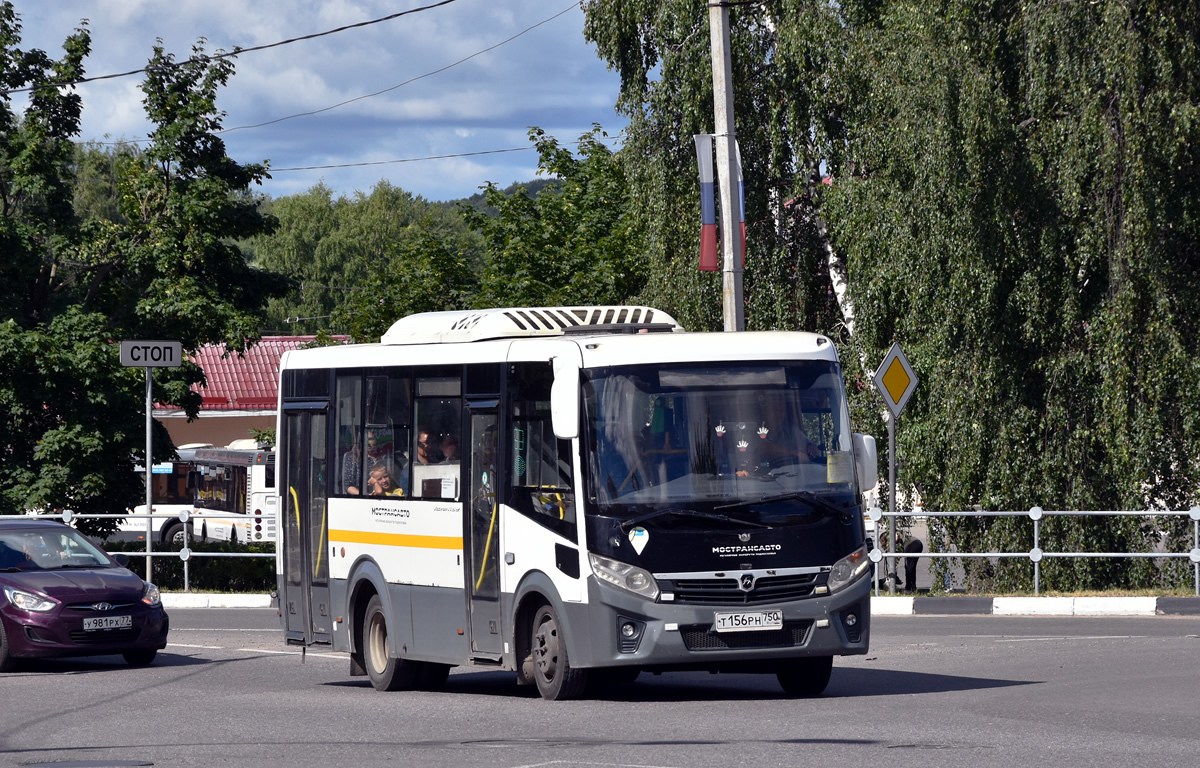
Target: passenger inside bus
x=427 y=451
x=351 y=477
x=450 y=449
x=380 y=482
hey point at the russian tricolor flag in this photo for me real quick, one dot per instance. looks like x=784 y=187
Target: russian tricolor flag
x=708 y=204
x=737 y=156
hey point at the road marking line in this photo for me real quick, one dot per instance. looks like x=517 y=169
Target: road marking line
x=295 y=653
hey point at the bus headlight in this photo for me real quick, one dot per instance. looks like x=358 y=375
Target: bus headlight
x=624 y=576
x=847 y=570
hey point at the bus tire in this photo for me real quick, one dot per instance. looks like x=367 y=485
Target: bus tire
x=552 y=671
x=805 y=677
x=176 y=534
x=386 y=673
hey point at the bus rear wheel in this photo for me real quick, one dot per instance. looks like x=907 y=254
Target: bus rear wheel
x=805 y=677
x=552 y=671
x=386 y=673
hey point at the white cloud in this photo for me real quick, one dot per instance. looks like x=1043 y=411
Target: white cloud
x=549 y=77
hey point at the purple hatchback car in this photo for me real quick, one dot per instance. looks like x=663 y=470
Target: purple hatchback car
x=61 y=595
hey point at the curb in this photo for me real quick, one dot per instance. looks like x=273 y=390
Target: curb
x=1035 y=606
x=204 y=600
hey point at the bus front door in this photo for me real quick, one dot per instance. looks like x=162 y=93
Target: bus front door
x=483 y=525
x=305 y=529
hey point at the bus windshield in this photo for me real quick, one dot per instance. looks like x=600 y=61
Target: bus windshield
x=760 y=442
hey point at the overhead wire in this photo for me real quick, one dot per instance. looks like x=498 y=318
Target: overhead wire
x=376 y=93
x=238 y=51
x=408 y=81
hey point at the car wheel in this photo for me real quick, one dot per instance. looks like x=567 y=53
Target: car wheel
x=386 y=673
x=141 y=658
x=552 y=671
x=8 y=662
x=805 y=677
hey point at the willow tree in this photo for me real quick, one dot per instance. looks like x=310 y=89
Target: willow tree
x=661 y=51
x=1013 y=191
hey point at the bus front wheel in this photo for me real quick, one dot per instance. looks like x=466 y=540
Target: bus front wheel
x=805 y=677
x=552 y=671
x=386 y=673
x=177 y=534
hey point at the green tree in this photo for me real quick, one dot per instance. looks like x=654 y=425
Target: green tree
x=97 y=194
x=662 y=52
x=574 y=243
x=350 y=255
x=1011 y=196
x=74 y=421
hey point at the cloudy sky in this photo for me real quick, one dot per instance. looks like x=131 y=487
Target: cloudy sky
x=471 y=76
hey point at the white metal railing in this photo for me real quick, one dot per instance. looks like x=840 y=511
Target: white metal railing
x=185 y=554
x=1036 y=554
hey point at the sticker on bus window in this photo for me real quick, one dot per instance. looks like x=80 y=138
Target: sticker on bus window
x=839 y=467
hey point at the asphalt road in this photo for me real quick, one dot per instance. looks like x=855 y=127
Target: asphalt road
x=934 y=691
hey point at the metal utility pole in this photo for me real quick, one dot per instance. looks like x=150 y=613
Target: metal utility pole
x=727 y=167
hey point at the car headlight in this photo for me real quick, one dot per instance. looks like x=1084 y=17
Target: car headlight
x=150 y=595
x=847 y=570
x=624 y=576
x=27 y=601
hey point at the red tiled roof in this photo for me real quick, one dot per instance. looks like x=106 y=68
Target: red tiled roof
x=243 y=382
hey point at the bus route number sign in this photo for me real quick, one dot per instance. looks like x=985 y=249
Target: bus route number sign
x=151 y=354
x=745 y=621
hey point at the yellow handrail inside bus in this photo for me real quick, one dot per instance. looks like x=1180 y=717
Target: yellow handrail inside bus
x=295 y=506
x=487 y=544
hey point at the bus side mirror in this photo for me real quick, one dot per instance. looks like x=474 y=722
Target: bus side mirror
x=564 y=399
x=866 y=462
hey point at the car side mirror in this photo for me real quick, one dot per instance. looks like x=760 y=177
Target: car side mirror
x=122 y=559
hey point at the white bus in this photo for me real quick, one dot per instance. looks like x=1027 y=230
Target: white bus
x=226 y=482
x=171 y=493
x=629 y=497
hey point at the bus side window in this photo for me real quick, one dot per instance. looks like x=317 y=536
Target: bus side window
x=541 y=473
x=350 y=437
x=438 y=422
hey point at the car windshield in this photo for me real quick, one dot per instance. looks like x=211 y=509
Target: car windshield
x=767 y=442
x=42 y=549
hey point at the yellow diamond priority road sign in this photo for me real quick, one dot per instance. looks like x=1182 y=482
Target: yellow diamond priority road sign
x=895 y=379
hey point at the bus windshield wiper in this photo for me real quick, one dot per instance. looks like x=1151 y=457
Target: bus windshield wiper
x=627 y=524
x=814 y=500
